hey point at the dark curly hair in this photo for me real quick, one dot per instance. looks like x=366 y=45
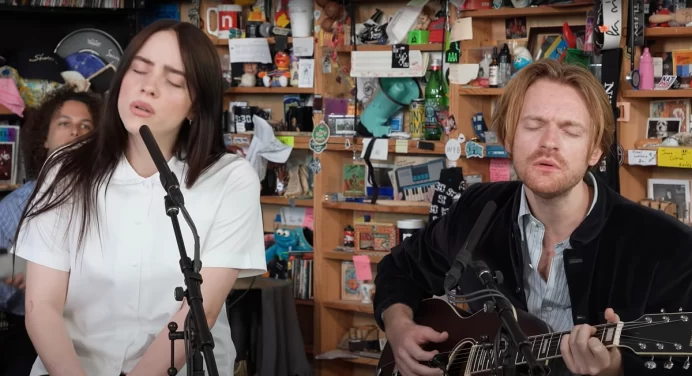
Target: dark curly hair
x=37 y=124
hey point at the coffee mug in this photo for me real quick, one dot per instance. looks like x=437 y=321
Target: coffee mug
x=227 y=18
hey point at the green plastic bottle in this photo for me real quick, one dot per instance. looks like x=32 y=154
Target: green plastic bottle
x=436 y=100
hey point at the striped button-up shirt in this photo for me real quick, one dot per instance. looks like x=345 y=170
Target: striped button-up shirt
x=548 y=300
x=11 y=209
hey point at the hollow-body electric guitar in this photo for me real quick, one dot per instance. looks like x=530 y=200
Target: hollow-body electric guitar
x=471 y=349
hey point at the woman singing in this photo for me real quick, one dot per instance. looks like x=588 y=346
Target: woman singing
x=102 y=257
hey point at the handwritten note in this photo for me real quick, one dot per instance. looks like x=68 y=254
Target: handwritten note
x=303 y=46
x=641 y=157
x=499 y=170
x=362 y=264
x=675 y=157
x=309 y=219
x=249 y=50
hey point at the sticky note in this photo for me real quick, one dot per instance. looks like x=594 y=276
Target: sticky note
x=362 y=264
x=286 y=140
x=309 y=218
x=499 y=170
x=401 y=146
x=675 y=157
x=641 y=157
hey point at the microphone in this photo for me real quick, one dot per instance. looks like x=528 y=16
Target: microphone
x=463 y=258
x=168 y=179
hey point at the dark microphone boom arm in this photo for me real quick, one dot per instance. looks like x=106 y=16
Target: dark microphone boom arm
x=196 y=329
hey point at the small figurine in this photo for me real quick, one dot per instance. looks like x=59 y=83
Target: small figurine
x=280 y=76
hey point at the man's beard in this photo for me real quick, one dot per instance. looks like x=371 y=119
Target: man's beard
x=548 y=186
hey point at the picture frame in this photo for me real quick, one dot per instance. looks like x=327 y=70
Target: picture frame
x=663 y=127
x=374 y=237
x=8 y=162
x=671 y=190
x=537 y=35
x=342 y=125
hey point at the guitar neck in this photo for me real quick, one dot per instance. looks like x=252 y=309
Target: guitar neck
x=543 y=347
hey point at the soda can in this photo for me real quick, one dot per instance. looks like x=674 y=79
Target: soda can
x=417 y=119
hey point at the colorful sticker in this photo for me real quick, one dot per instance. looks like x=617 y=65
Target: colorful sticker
x=317 y=148
x=452 y=149
x=473 y=149
x=320 y=134
x=315 y=166
x=461 y=138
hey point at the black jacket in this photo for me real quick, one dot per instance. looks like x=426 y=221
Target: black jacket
x=624 y=256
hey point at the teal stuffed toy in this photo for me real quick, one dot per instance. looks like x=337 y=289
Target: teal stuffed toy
x=285 y=241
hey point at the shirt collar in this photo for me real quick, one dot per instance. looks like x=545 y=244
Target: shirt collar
x=525 y=210
x=125 y=174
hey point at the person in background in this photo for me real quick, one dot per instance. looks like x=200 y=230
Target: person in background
x=62 y=118
x=102 y=257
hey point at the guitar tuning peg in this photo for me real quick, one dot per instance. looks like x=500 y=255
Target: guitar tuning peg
x=650 y=364
x=663 y=310
x=680 y=310
x=669 y=363
x=686 y=365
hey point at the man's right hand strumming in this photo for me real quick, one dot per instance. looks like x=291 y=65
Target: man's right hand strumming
x=406 y=337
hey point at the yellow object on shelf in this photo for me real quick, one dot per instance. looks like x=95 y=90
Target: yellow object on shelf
x=675 y=157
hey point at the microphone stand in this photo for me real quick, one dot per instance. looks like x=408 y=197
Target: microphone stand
x=196 y=330
x=516 y=336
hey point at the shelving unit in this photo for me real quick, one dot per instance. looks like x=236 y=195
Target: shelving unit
x=634 y=178
x=272 y=98
x=332 y=316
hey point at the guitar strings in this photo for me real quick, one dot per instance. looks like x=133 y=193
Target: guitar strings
x=464 y=354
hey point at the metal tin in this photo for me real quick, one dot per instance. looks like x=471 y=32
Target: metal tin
x=417 y=119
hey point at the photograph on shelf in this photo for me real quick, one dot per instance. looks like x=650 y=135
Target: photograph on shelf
x=662 y=127
x=671 y=190
x=8 y=162
x=672 y=108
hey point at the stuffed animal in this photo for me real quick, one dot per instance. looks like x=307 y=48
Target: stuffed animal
x=284 y=241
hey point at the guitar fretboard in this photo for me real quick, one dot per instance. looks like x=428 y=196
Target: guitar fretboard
x=543 y=347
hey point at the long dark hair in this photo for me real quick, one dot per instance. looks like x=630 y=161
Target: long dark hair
x=37 y=124
x=82 y=168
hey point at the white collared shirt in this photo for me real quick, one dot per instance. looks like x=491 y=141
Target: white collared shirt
x=548 y=300
x=121 y=285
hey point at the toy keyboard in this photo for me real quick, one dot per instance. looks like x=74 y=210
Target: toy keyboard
x=413 y=181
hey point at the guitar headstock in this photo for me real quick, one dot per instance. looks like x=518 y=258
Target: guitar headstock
x=660 y=335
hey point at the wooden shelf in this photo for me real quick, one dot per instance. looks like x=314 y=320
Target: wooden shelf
x=431 y=47
x=668 y=32
x=224 y=42
x=362 y=361
x=404 y=208
x=544 y=10
x=347 y=305
x=347 y=256
x=481 y=91
x=682 y=93
x=299 y=140
x=270 y=90
x=285 y=201
x=9 y=187
x=305 y=302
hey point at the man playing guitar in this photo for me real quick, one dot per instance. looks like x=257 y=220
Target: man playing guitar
x=573 y=252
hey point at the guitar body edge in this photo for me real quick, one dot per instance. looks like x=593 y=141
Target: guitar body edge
x=464 y=329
